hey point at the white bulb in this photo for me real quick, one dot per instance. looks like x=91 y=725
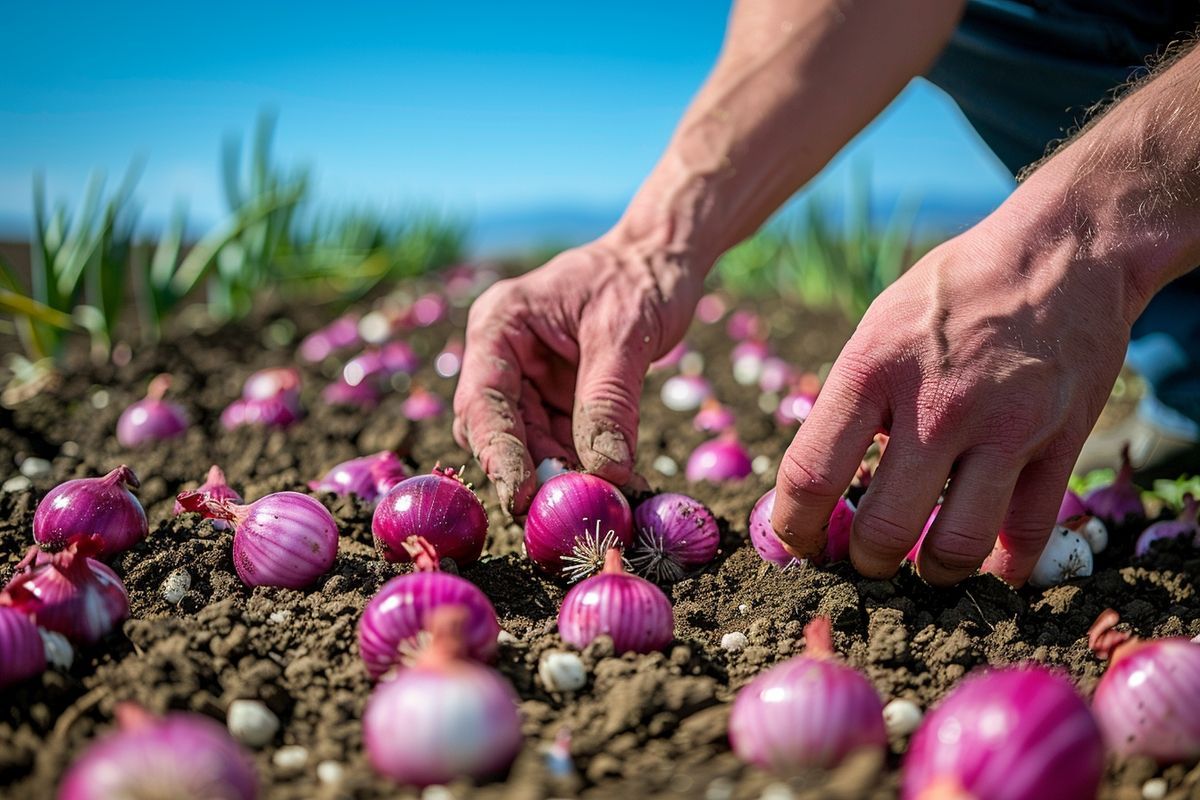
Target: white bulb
x=1067 y=555
x=1096 y=535
x=901 y=717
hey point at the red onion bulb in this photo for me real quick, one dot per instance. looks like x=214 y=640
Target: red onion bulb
x=274 y=382
x=284 y=539
x=1071 y=506
x=438 y=507
x=810 y=711
x=443 y=718
x=713 y=417
x=1183 y=526
x=421 y=404
x=395 y=623
x=270 y=397
x=214 y=488
x=1120 y=502
x=573 y=520
x=152 y=419
x=720 y=459
x=776 y=375
x=762 y=535
x=67 y=592
x=339 y=334
x=1014 y=733
x=1148 y=702
x=795 y=407
x=675 y=535
x=364 y=394
x=631 y=610
x=747 y=360
x=369 y=477
x=179 y=755
x=22 y=653
x=102 y=509
x=685 y=392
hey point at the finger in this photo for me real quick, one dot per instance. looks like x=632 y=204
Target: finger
x=607 y=393
x=966 y=527
x=823 y=458
x=488 y=419
x=538 y=432
x=907 y=484
x=1031 y=515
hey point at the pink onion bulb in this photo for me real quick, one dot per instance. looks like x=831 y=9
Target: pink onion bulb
x=369 y=477
x=1071 y=506
x=270 y=397
x=631 y=610
x=675 y=535
x=395 y=623
x=67 y=592
x=285 y=539
x=775 y=376
x=272 y=383
x=22 y=653
x=1184 y=526
x=92 y=508
x=421 y=405
x=713 y=417
x=438 y=507
x=747 y=360
x=152 y=419
x=443 y=718
x=180 y=755
x=1120 y=502
x=810 y=711
x=837 y=535
x=1148 y=702
x=449 y=361
x=745 y=325
x=337 y=335
x=213 y=488
x=1013 y=733
x=670 y=359
x=795 y=407
x=573 y=519
x=718 y=460
x=364 y=394
x=685 y=392
x=916 y=548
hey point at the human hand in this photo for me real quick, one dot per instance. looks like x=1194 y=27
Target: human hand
x=555 y=361
x=987 y=363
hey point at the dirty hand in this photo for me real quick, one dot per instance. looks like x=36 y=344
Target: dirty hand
x=988 y=363
x=555 y=360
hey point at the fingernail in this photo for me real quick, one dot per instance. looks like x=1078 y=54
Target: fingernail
x=611 y=445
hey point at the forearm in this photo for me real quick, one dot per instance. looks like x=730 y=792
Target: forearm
x=795 y=81
x=1125 y=194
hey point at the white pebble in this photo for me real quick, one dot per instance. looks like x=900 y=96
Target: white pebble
x=777 y=791
x=719 y=789
x=252 y=723
x=330 y=772
x=562 y=672
x=176 y=585
x=58 y=650
x=768 y=402
x=761 y=464
x=291 y=758
x=734 y=642
x=279 y=617
x=69 y=449
x=504 y=637
x=743 y=608
x=17 y=483
x=100 y=399
x=34 y=467
x=901 y=717
x=1154 y=789
x=666 y=466
x=436 y=792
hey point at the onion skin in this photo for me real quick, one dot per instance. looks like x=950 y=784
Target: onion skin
x=285 y=539
x=152 y=419
x=214 y=488
x=769 y=548
x=100 y=509
x=718 y=460
x=1014 y=733
x=443 y=718
x=394 y=619
x=631 y=610
x=810 y=711
x=1071 y=506
x=67 y=592
x=438 y=507
x=573 y=518
x=1185 y=525
x=180 y=755
x=675 y=535
x=1147 y=702
x=1120 y=502
x=22 y=654
x=369 y=477
x=916 y=548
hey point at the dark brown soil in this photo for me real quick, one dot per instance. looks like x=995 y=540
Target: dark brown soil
x=644 y=726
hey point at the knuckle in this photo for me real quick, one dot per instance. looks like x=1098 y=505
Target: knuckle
x=882 y=532
x=958 y=552
x=801 y=481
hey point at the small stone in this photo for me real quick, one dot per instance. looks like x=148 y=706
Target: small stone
x=1154 y=789
x=562 y=672
x=374 y=327
x=330 y=772
x=279 y=617
x=666 y=466
x=291 y=758
x=734 y=642
x=719 y=789
x=436 y=792
x=69 y=449
x=776 y=791
x=17 y=483
x=761 y=464
x=901 y=717
x=252 y=723
x=176 y=585
x=504 y=637
x=34 y=467
x=58 y=650
x=100 y=399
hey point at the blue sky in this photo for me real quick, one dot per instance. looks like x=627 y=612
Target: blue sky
x=477 y=107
